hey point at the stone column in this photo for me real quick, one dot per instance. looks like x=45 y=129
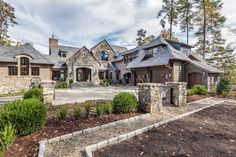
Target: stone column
x=178 y=93
x=48 y=91
x=150 y=97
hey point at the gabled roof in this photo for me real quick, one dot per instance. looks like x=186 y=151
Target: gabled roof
x=9 y=53
x=164 y=55
x=118 y=49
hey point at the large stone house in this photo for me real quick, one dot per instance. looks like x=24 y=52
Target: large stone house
x=160 y=61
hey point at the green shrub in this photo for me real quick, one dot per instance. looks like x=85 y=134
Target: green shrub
x=191 y=92
x=26 y=115
x=108 y=108
x=71 y=81
x=77 y=112
x=200 y=89
x=124 y=103
x=61 y=85
x=62 y=112
x=7 y=136
x=225 y=93
x=106 y=83
x=213 y=91
x=224 y=85
x=88 y=108
x=34 y=93
x=99 y=110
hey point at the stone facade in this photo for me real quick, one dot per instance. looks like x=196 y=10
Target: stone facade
x=14 y=84
x=176 y=93
x=151 y=95
x=48 y=91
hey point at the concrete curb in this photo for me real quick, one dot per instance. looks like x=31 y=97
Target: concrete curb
x=89 y=149
x=42 y=144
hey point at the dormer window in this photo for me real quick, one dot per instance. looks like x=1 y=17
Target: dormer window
x=149 y=54
x=62 y=54
x=104 y=55
x=24 y=66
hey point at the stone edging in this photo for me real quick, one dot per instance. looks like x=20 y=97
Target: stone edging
x=43 y=143
x=89 y=149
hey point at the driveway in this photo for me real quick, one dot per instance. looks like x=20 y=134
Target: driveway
x=82 y=94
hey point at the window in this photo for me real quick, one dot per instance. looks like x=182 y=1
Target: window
x=111 y=75
x=63 y=54
x=12 y=70
x=24 y=66
x=104 y=55
x=35 y=71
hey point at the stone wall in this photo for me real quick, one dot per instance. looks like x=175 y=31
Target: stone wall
x=151 y=95
x=14 y=84
x=48 y=91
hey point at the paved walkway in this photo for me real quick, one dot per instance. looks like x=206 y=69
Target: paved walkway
x=82 y=94
x=8 y=99
x=75 y=147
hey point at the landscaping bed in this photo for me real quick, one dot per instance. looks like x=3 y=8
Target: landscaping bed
x=211 y=132
x=27 y=146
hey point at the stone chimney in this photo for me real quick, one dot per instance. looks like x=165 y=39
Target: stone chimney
x=53 y=43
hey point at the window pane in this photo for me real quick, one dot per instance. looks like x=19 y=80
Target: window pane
x=12 y=70
x=24 y=71
x=104 y=55
x=35 y=71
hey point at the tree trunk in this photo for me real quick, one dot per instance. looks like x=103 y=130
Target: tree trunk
x=187 y=26
x=171 y=19
x=204 y=30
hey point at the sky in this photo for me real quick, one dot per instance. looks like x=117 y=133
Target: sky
x=86 y=22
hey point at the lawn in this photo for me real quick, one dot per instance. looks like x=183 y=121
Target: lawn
x=211 y=132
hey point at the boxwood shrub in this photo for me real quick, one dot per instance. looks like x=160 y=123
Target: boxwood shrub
x=27 y=115
x=224 y=86
x=124 y=103
x=34 y=93
x=62 y=85
x=200 y=90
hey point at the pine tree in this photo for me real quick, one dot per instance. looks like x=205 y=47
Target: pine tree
x=7 y=19
x=209 y=20
x=229 y=64
x=186 y=15
x=169 y=12
x=166 y=33
x=141 y=34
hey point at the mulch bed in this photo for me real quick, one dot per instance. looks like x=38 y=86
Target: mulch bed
x=211 y=132
x=27 y=146
x=197 y=97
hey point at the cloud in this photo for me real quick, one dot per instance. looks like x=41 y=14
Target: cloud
x=86 y=22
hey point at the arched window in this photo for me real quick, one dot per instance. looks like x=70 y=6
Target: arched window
x=24 y=66
x=104 y=55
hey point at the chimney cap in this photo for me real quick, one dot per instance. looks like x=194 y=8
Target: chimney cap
x=53 y=36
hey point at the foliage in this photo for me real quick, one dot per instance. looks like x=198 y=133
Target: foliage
x=108 y=108
x=62 y=112
x=7 y=19
x=125 y=102
x=224 y=86
x=191 y=91
x=34 y=93
x=186 y=15
x=142 y=38
x=225 y=93
x=27 y=115
x=166 y=35
x=7 y=136
x=209 y=20
x=77 y=112
x=169 y=12
x=106 y=83
x=213 y=91
x=200 y=89
x=99 y=110
x=71 y=81
x=62 y=85
x=88 y=108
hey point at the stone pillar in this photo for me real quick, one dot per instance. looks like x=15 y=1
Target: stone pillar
x=178 y=93
x=48 y=91
x=150 y=97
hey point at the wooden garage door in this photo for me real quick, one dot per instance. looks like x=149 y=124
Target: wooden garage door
x=194 y=79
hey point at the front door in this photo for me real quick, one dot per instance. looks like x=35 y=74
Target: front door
x=83 y=74
x=194 y=79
